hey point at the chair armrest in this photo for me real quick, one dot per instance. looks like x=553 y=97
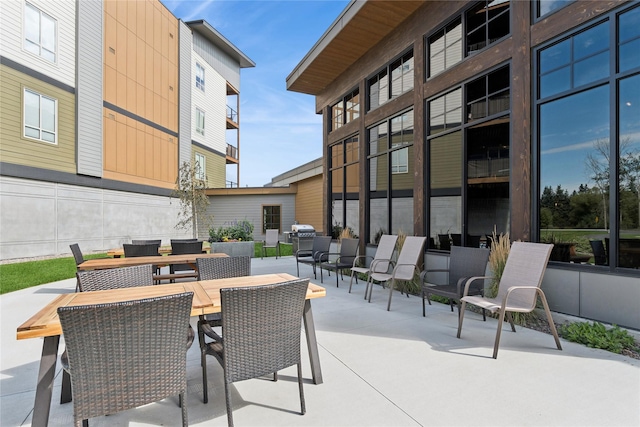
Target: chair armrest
x=355 y=260
x=470 y=280
x=377 y=261
x=515 y=288
x=324 y=256
x=303 y=252
x=423 y=274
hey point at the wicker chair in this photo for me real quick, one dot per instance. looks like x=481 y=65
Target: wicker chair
x=147 y=242
x=463 y=263
x=380 y=262
x=404 y=269
x=209 y=269
x=600 y=255
x=518 y=289
x=321 y=244
x=150 y=366
x=261 y=333
x=142 y=249
x=113 y=278
x=271 y=241
x=348 y=253
x=178 y=248
x=78 y=257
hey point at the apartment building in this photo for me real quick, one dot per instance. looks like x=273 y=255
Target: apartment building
x=101 y=102
x=450 y=119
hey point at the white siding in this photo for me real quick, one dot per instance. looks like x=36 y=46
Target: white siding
x=226 y=66
x=11 y=34
x=184 y=126
x=89 y=90
x=213 y=101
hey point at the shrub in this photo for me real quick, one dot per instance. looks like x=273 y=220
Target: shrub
x=234 y=231
x=596 y=335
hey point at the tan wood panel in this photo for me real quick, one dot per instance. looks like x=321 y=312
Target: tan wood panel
x=104 y=263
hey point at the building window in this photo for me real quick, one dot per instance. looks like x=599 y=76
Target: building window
x=345 y=110
x=40 y=117
x=271 y=218
x=391 y=163
x=445 y=48
x=201 y=167
x=39 y=33
x=589 y=143
x=344 y=182
x=544 y=7
x=486 y=23
x=199 y=76
x=200 y=121
x=468 y=162
x=391 y=82
x=488 y=95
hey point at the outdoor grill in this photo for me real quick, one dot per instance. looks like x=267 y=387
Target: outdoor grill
x=302 y=236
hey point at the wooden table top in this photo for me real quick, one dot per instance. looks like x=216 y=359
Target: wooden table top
x=206 y=299
x=104 y=263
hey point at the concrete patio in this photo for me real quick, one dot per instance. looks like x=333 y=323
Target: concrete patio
x=379 y=368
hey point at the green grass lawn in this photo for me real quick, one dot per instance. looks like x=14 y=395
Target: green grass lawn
x=21 y=275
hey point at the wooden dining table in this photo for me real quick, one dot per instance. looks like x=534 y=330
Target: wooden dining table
x=162 y=250
x=206 y=300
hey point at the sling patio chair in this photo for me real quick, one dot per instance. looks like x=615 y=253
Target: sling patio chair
x=346 y=256
x=321 y=245
x=518 y=289
x=271 y=241
x=463 y=263
x=380 y=263
x=125 y=366
x=260 y=333
x=210 y=269
x=404 y=269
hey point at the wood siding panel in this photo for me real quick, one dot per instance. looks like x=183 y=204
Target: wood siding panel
x=309 y=203
x=17 y=149
x=184 y=124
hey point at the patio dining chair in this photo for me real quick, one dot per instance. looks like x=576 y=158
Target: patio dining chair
x=379 y=263
x=147 y=242
x=600 y=256
x=271 y=241
x=404 y=269
x=321 y=245
x=518 y=289
x=210 y=269
x=78 y=258
x=260 y=333
x=142 y=249
x=179 y=248
x=112 y=278
x=463 y=263
x=125 y=366
x=344 y=260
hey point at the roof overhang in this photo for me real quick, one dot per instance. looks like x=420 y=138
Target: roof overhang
x=203 y=28
x=361 y=26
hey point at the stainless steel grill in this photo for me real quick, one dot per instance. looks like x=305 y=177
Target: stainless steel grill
x=302 y=236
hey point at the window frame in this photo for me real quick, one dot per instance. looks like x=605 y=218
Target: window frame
x=200 y=80
x=200 y=114
x=386 y=74
x=39 y=128
x=39 y=43
x=344 y=110
x=271 y=223
x=200 y=166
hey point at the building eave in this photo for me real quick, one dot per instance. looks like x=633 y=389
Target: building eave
x=207 y=31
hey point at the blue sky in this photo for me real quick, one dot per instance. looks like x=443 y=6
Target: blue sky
x=279 y=129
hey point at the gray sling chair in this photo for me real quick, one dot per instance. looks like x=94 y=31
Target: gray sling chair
x=210 y=269
x=344 y=260
x=112 y=278
x=260 y=333
x=404 y=269
x=380 y=263
x=518 y=289
x=463 y=263
x=125 y=366
x=271 y=241
x=321 y=245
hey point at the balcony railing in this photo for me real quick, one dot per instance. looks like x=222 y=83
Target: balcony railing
x=488 y=168
x=232 y=114
x=232 y=184
x=232 y=151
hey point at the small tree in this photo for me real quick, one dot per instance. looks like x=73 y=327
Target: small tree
x=190 y=190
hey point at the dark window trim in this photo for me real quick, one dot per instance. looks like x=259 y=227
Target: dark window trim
x=388 y=70
x=262 y=216
x=535 y=7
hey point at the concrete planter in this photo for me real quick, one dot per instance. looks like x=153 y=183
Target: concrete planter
x=234 y=248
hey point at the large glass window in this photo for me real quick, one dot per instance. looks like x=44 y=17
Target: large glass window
x=445 y=48
x=345 y=110
x=468 y=163
x=345 y=186
x=487 y=22
x=40 y=117
x=583 y=152
x=383 y=88
x=391 y=165
x=544 y=7
x=40 y=34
